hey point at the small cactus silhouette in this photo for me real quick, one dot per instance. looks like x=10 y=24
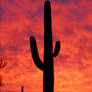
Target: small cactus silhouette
x=47 y=67
x=22 y=88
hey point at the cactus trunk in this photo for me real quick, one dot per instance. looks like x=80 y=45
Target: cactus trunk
x=48 y=76
x=47 y=67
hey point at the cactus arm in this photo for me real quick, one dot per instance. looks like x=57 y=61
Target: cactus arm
x=35 y=55
x=57 y=49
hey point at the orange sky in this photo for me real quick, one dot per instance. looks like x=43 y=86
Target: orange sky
x=71 y=24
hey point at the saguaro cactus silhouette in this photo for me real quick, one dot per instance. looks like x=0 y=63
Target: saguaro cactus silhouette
x=47 y=66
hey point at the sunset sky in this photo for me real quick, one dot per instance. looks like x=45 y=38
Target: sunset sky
x=71 y=25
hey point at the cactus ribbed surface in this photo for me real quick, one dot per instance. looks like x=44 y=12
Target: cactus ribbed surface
x=47 y=67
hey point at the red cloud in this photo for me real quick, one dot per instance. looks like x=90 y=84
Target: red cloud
x=71 y=24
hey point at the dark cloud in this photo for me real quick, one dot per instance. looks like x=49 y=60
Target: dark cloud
x=2 y=50
x=84 y=41
x=88 y=28
x=62 y=60
x=68 y=31
x=12 y=2
x=40 y=11
x=76 y=12
x=76 y=2
x=90 y=50
x=30 y=14
x=79 y=15
x=2 y=11
x=63 y=1
x=13 y=48
x=40 y=37
x=28 y=32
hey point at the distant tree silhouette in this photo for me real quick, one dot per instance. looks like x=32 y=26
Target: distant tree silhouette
x=47 y=67
x=2 y=65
